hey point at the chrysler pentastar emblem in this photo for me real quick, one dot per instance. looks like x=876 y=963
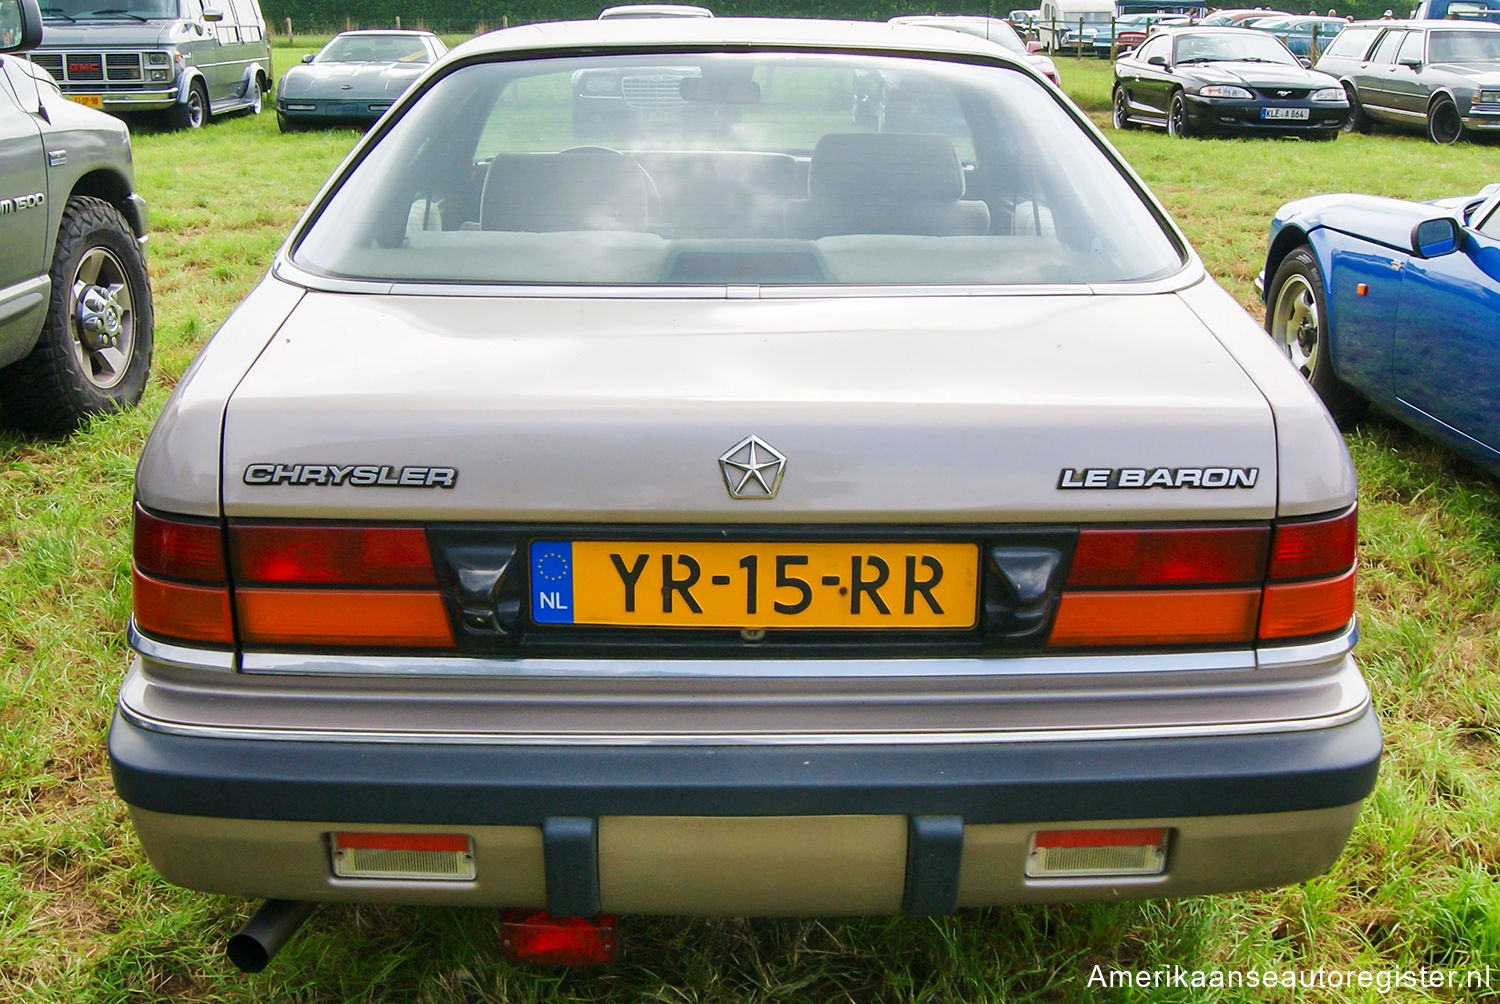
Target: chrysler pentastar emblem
x=752 y=469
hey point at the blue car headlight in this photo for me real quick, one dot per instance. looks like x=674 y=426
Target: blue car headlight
x=1224 y=91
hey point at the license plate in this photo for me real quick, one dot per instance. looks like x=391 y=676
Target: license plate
x=1299 y=114
x=656 y=114
x=718 y=584
x=92 y=100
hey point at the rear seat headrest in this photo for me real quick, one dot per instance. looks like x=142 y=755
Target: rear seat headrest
x=885 y=167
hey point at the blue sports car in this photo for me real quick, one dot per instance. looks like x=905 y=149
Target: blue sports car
x=1396 y=303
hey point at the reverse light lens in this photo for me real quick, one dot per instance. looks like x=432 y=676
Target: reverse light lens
x=1223 y=91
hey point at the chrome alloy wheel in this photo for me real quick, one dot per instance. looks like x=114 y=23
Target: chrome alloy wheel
x=102 y=315
x=1294 y=323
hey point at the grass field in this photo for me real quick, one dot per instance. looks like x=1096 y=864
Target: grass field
x=83 y=917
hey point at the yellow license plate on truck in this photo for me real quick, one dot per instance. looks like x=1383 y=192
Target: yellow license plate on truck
x=722 y=584
x=92 y=100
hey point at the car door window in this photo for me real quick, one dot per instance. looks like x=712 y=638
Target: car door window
x=1385 y=50
x=1153 y=47
x=1490 y=225
x=1411 y=48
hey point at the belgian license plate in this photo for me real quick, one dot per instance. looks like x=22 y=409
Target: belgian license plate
x=1297 y=114
x=92 y=100
x=719 y=584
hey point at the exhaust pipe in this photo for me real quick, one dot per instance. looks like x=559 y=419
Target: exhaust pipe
x=254 y=946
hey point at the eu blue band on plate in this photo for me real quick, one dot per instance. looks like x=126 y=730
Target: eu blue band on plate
x=552 y=581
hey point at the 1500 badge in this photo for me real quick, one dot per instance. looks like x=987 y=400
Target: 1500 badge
x=1158 y=477
x=354 y=475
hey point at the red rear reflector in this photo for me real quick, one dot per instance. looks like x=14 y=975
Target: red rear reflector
x=1199 y=557
x=1318 y=548
x=1165 y=617
x=539 y=937
x=179 y=549
x=1294 y=610
x=331 y=555
x=174 y=610
x=345 y=617
x=1098 y=838
x=405 y=841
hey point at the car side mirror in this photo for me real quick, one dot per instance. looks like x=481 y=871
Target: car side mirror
x=1435 y=238
x=1306 y=63
x=20 y=25
x=1157 y=61
x=1033 y=46
x=212 y=14
x=307 y=57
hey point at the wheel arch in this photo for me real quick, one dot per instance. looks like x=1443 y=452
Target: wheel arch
x=1440 y=94
x=1289 y=237
x=191 y=76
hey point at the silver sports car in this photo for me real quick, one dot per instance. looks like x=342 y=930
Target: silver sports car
x=739 y=511
x=354 y=78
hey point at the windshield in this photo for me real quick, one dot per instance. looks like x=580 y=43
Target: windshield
x=85 y=10
x=1474 y=46
x=374 y=49
x=744 y=169
x=1214 y=47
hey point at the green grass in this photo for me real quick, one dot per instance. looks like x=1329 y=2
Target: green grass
x=83 y=918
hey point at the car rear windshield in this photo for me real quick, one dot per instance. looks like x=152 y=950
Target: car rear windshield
x=743 y=169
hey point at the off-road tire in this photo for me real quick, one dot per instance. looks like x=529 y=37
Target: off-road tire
x=1297 y=320
x=53 y=389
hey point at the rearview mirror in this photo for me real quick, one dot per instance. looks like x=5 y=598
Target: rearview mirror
x=20 y=25
x=1435 y=238
x=307 y=57
x=1033 y=46
x=1157 y=61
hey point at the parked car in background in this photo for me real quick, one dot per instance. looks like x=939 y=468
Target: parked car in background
x=991 y=28
x=1130 y=30
x=76 y=320
x=1236 y=17
x=1396 y=303
x=1307 y=37
x=1024 y=21
x=1217 y=80
x=703 y=525
x=185 y=59
x=1442 y=77
x=354 y=78
x=1133 y=29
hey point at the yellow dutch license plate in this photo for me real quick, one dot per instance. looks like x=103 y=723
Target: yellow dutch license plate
x=717 y=584
x=92 y=100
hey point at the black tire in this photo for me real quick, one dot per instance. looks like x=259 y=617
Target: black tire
x=1297 y=320
x=1444 y=126
x=1177 y=117
x=285 y=124
x=1121 y=109
x=94 y=353
x=192 y=113
x=1356 y=120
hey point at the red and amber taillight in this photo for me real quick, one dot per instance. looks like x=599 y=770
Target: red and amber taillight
x=293 y=585
x=345 y=586
x=1208 y=586
x=181 y=583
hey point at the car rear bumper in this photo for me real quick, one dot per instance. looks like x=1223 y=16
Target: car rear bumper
x=773 y=830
